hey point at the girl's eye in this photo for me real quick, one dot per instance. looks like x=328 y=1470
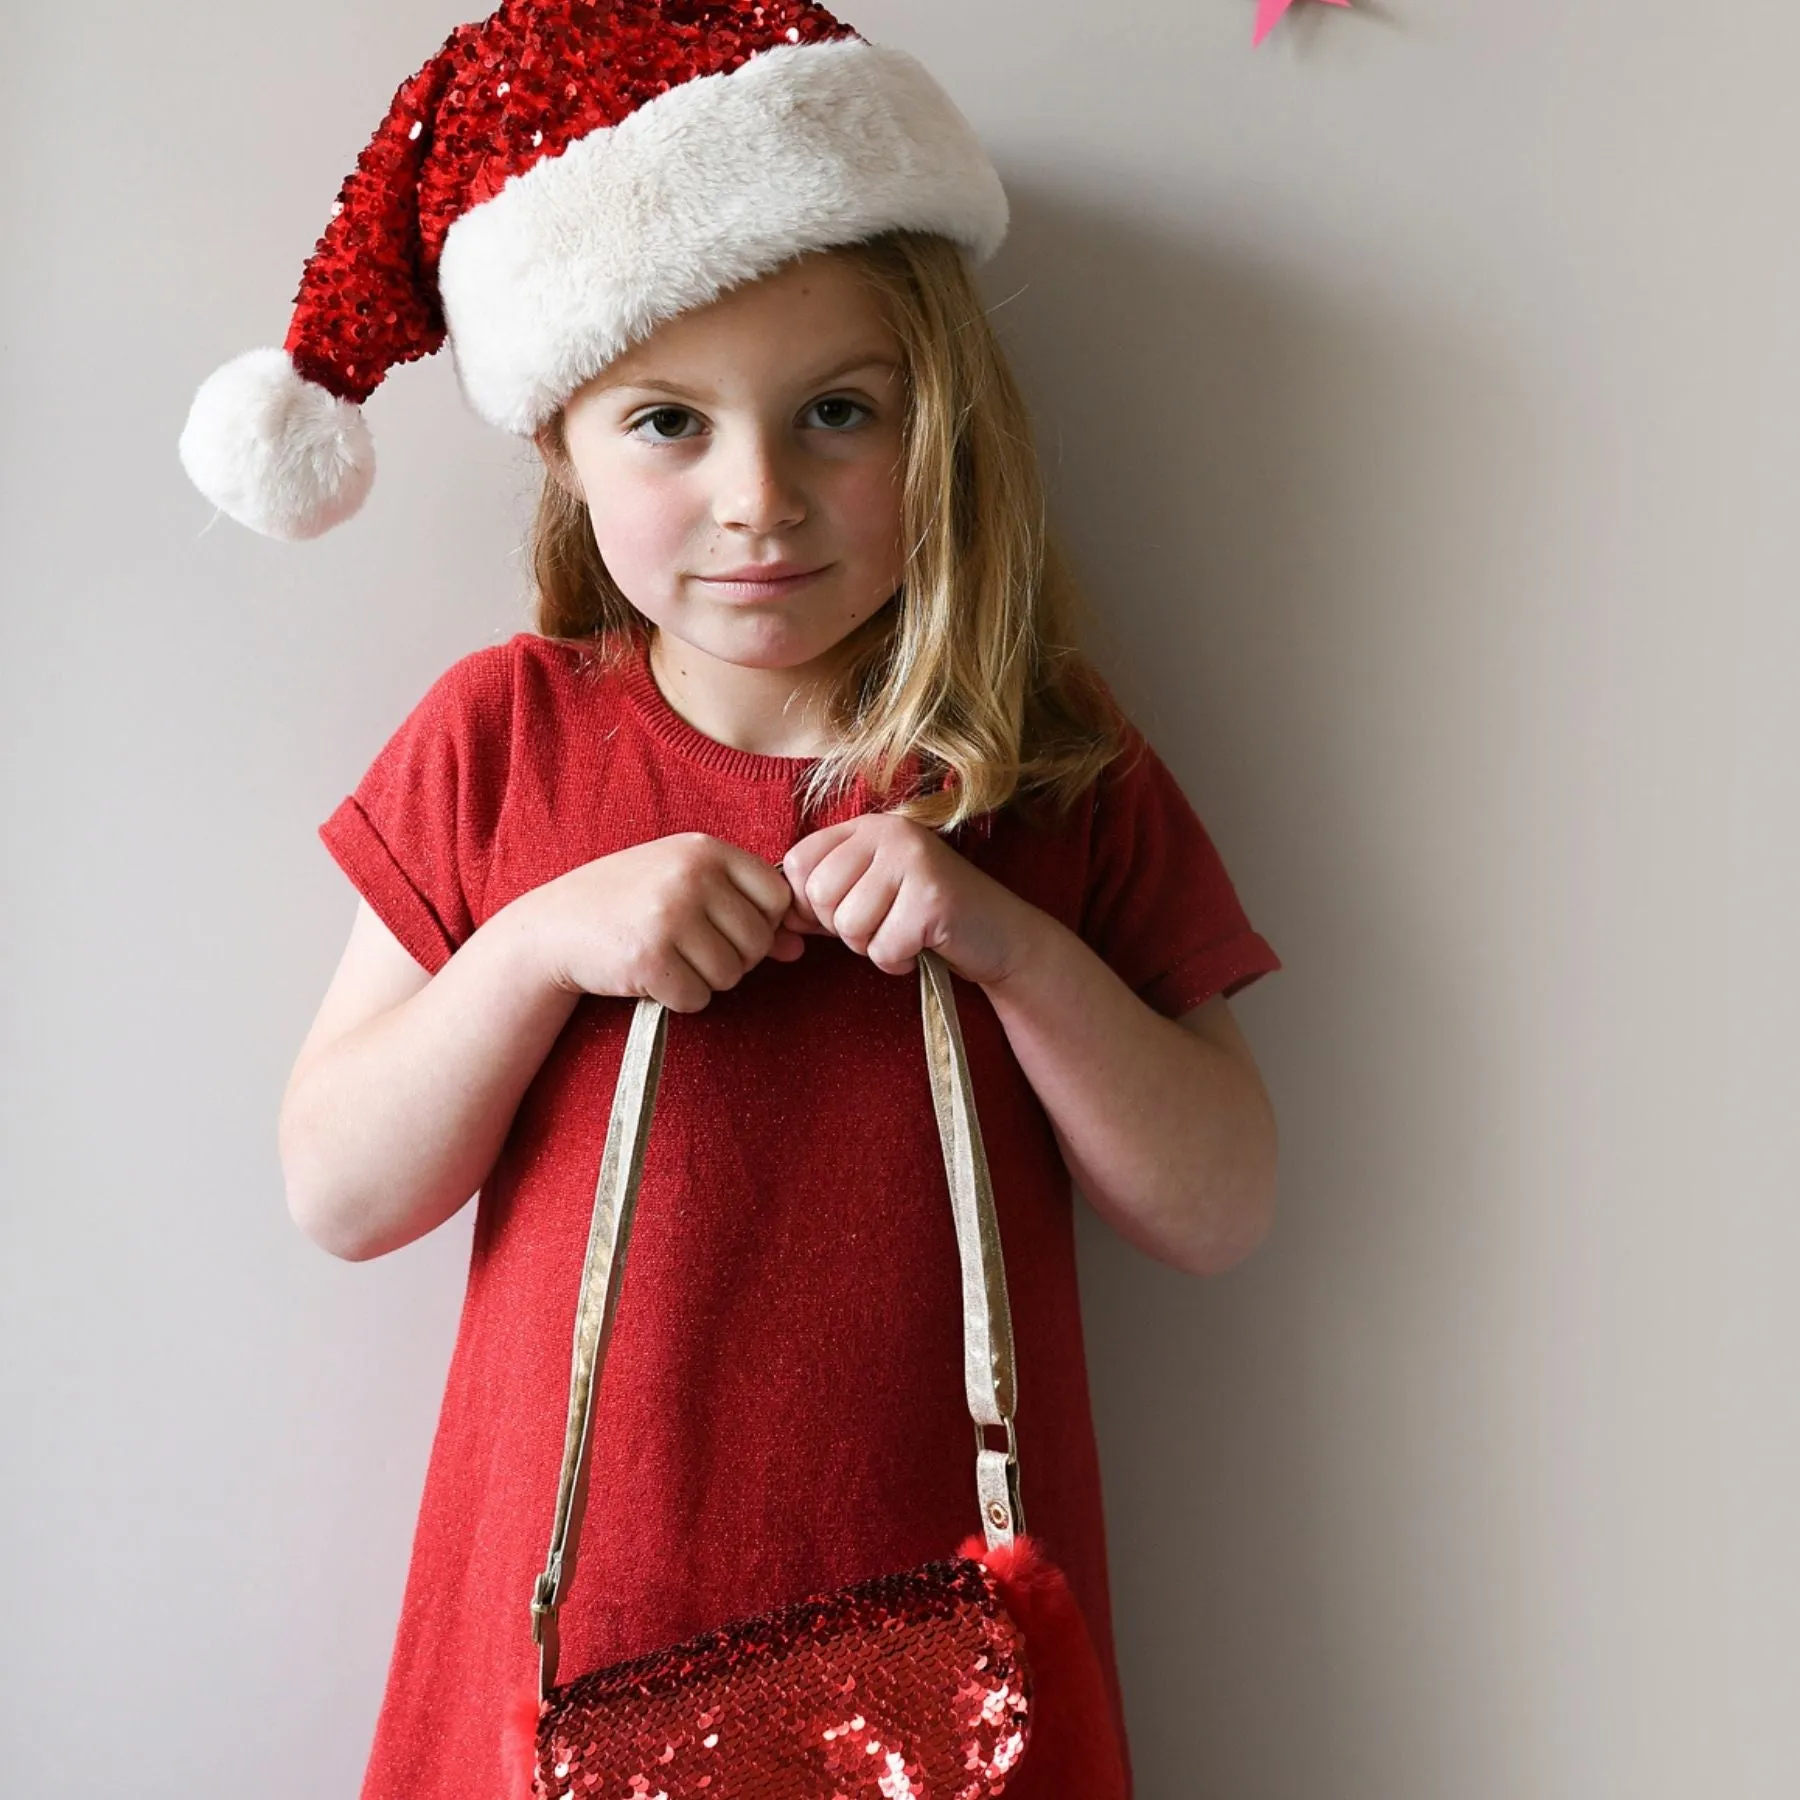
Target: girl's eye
x=837 y=400
x=662 y=412
x=665 y=423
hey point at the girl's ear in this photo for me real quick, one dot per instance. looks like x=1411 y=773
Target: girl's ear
x=549 y=440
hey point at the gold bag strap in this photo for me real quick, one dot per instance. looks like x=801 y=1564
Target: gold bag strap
x=988 y=1374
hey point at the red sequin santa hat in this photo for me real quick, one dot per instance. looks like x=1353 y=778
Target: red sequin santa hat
x=558 y=179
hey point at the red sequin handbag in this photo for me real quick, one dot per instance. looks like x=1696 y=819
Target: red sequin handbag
x=928 y=1684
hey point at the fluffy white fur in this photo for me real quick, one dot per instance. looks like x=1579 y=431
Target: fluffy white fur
x=274 y=450
x=711 y=184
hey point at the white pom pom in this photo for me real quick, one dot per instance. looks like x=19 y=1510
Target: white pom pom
x=276 y=451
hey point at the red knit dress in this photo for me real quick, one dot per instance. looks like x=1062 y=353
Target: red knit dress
x=782 y=1410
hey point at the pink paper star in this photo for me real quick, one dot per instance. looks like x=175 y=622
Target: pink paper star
x=1269 y=14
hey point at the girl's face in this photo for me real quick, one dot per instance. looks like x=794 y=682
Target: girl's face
x=763 y=429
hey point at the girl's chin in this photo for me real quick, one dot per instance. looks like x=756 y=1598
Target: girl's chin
x=768 y=642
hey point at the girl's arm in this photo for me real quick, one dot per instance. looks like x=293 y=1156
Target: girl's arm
x=1165 y=1126
x=407 y=1084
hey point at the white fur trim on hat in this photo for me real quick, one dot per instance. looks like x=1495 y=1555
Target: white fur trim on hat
x=274 y=450
x=712 y=184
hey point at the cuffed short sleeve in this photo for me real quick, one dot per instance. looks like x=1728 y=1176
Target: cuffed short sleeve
x=416 y=835
x=1160 y=908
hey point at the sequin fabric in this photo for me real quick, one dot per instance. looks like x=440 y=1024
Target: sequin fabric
x=497 y=98
x=911 y=1686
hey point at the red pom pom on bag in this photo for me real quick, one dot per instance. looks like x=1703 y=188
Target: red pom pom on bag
x=1075 y=1748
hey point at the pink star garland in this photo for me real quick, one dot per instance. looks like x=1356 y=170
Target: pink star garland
x=1269 y=14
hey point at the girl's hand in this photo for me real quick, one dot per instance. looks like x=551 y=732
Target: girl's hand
x=678 y=919
x=888 y=888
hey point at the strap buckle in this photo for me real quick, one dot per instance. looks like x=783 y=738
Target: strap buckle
x=1012 y=1441
x=544 y=1601
x=997 y=1485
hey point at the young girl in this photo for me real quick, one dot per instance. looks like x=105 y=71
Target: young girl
x=802 y=701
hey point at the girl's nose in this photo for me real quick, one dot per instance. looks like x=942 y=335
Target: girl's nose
x=757 y=488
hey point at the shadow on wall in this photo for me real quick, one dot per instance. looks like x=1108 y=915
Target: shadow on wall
x=1297 y=514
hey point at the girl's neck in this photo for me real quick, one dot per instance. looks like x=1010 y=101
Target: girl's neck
x=768 y=712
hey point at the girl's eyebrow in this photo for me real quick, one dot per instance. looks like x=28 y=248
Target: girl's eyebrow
x=652 y=383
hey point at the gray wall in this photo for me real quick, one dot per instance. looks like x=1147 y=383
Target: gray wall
x=1417 y=392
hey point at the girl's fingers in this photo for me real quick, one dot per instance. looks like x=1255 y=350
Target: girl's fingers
x=679 y=985
x=741 y=922
x=803 y=860
x=800 y=915
x=894 y=947
x=763 y=884
x=713 y=956
x=865 y=908
x=822 y=891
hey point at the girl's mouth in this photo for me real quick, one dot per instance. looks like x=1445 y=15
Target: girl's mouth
x=761 y=588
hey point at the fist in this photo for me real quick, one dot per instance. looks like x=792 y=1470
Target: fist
x=675 y=919
x=889 y=888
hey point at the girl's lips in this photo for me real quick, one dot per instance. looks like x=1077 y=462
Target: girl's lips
x=762 y=590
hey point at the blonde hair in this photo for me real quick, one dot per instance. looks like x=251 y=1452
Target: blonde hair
x=973 y=665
